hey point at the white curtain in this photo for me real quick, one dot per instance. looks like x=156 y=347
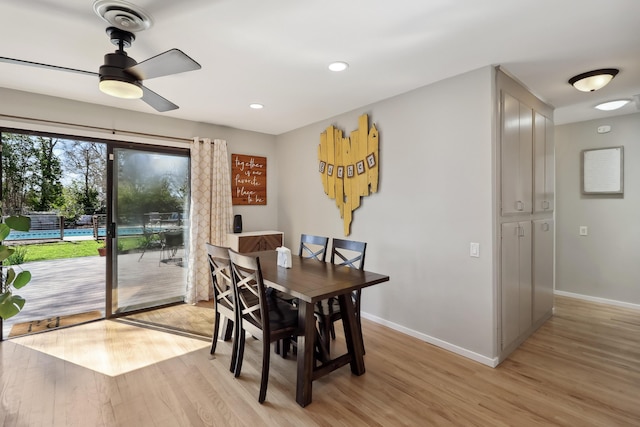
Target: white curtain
x=211 y=215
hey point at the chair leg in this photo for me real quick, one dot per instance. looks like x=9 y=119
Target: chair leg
x=228 y=329
x=214 y=339
x=326 y=331
x=266 y=354
x=240 y=352
x=234 y=347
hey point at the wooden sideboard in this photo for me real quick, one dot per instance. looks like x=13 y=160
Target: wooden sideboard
x=253 y=241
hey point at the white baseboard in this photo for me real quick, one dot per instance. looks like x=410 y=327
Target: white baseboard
x=492 y=362
x=599 y=300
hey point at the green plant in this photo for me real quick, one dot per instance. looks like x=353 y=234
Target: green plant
x=18 y=256
x=10 y=303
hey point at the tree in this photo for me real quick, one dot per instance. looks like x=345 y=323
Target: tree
x=46 y=191
x=86 y=161
x=18 y=164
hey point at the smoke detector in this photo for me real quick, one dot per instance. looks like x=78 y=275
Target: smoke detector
x=123 y=15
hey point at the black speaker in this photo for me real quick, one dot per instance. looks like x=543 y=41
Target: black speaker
x=237 y=224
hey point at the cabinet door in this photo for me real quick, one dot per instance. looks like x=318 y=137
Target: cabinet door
x=262 y=242
x=515 y=280
x=550 y=165
x=542 y=268
x=510 y=282
x=526 y=290
x=544 y=173
x=516 y=149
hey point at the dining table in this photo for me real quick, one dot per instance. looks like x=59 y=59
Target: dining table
x=311 y=281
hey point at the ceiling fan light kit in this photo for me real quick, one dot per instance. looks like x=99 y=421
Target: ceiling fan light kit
x=593 y=80
x=120 y=75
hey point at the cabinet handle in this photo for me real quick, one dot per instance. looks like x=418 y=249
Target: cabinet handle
x=519 y=205
x=545 y=226
x=520 y=231
x=545 y=204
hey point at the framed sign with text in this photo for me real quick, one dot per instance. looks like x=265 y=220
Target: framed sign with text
x=248 y=180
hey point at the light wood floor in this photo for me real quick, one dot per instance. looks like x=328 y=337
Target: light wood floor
x=582 y=368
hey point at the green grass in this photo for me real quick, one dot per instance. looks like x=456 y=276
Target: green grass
x=74 y=249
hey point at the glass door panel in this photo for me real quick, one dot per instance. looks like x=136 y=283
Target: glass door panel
x=150 y=205
x=60 y=184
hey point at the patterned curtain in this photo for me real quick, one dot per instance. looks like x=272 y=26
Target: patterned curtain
x=211 y=216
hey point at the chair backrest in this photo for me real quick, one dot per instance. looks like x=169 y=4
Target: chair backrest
x=249 y=292
x=313 y=247
x=348 y=252
x=174 y=239
x=220 y=276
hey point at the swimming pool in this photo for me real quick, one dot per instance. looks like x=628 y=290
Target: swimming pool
x=78 y=232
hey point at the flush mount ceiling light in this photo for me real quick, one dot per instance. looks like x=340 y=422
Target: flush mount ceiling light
x=593 y=80
x=256 y=106
x=338 y=66
x=613 y=105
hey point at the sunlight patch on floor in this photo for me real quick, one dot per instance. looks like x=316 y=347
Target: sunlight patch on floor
x=111 y=347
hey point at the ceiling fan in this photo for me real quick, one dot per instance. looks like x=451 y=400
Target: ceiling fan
x=121 y=75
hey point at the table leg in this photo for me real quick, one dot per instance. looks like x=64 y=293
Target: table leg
x=352 y=334
x=306 y=336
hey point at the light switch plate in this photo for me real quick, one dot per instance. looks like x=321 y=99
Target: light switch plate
x=584 y=231
x=474 y=250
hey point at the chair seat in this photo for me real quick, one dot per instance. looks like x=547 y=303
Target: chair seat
x=281 y=315
x=327 y=307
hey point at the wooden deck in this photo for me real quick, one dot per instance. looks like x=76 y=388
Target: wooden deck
x=76 y=285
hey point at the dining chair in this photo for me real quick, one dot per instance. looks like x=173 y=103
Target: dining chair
x=222 y=298
x=266 y=318
x=170 y=242
x=349 y=253
x=312 y=247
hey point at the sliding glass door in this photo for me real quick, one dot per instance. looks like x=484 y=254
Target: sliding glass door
x=150 y=228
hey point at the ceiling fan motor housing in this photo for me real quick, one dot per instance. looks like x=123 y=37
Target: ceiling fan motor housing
x=115 y=65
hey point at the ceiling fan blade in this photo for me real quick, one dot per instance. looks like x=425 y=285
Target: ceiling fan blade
x=173 y=61
x=51 y=67
x=156 y=101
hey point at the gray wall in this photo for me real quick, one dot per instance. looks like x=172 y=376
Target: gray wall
x=435 y=197
x=605 y=264
x=50 y=109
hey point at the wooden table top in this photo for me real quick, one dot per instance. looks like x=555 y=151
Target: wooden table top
x=313 y=281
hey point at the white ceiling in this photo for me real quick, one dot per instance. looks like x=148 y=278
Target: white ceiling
x=276 y=52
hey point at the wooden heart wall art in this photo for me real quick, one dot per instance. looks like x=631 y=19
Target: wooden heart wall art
x=349 y=166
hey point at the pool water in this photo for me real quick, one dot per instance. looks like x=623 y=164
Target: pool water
x=79 y=232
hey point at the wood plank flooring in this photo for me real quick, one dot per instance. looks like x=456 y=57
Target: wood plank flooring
x=582 y=368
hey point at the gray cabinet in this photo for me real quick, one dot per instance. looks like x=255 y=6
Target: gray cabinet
x=543 y=258
x=525 y=212
x=516 y=156
x=544 y=168
x=516 y=280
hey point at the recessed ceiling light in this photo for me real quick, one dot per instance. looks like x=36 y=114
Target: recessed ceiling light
x=256 y=106
x=613 y=105
x=338 y=66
